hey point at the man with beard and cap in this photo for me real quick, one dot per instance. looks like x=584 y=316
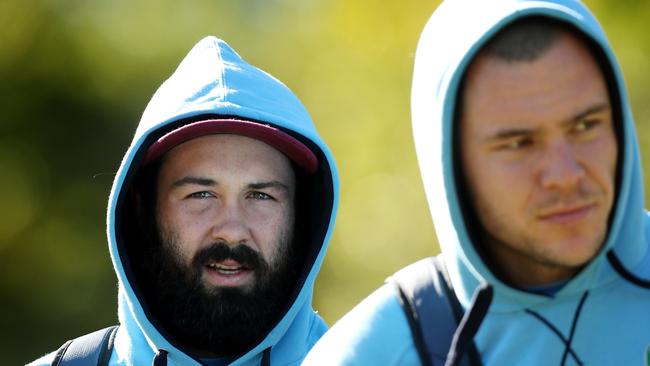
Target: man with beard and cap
x=531 y=166
x=218 y=222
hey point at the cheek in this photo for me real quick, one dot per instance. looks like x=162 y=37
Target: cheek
x=266 y=213
x=502 y=193
x=601 y=157
x=504 y=183
x=268 y=226
x=190 y=212
x=185 y=225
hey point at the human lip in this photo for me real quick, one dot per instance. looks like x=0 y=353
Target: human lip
x=227 y=273
x=567 y=214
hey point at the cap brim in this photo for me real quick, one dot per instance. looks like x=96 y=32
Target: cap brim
x=295 y=150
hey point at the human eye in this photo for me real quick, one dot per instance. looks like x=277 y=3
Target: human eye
x=200 y=195
x=515 y=143
x=257 y=195
x=585 y=125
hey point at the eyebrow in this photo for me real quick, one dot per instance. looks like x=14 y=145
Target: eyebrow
x=194 y=180
x=591 y=110
x=515 y=132
x=509 y=133
x=191 y=180
x=269 y=184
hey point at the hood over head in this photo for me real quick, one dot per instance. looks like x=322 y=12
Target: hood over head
x=451 y=39
x=212 y=91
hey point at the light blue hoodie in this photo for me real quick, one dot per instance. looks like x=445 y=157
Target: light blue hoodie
x=599 y=317
x=213 y=80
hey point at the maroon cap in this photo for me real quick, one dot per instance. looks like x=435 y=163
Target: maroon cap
x=276 y=138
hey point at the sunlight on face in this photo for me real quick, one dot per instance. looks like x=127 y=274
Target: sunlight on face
x=230 y=189
x=539 y=157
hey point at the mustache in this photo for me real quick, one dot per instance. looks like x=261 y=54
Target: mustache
x=580 y=196
x=221 y=251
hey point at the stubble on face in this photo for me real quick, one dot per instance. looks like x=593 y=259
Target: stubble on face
x=533 y=247
x=539 y=160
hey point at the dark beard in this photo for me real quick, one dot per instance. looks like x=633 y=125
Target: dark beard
x=217 y=321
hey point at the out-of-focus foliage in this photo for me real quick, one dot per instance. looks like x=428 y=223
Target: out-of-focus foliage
x=76 y=76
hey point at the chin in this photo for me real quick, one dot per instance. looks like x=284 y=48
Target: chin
x=578 y=253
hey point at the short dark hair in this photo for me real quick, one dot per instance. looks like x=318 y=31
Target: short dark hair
x=525 y=39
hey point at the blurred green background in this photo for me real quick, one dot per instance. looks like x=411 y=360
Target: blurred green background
x=76 y=76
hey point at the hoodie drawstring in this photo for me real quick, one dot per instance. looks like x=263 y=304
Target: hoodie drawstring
x=567 y=341
x=160 y=359
x=266 y=357
x=623 y=272
x=469 y=324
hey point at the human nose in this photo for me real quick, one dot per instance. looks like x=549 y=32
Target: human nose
x=230 y=224
x=561 y=168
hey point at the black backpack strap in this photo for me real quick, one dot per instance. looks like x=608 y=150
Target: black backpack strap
x=432 y=310
x=88 y=350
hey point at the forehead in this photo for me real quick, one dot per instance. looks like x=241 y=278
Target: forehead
x=560 y=83
x=227 y=155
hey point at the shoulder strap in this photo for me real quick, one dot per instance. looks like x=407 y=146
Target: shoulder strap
x=432 y=310
x=88 y=350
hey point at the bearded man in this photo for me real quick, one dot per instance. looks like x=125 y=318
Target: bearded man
x=218 y=222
